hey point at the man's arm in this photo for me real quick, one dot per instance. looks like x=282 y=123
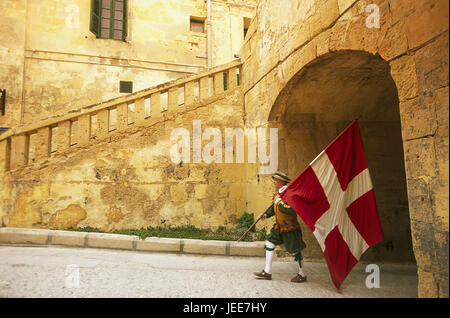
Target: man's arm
x=269 y=212
x=286 y=208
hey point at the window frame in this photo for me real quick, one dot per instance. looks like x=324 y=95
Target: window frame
x=96 y=28
x=198 y=21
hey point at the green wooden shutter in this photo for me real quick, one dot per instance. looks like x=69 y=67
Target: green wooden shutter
x=109 y=19
x=3 y=101
x=95 y=26
x=125 y=22
x=118 y=20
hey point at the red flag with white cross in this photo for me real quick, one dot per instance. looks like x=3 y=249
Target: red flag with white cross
x=334 y=197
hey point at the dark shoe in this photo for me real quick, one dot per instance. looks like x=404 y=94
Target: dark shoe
x=262 y=275
x=298 y=279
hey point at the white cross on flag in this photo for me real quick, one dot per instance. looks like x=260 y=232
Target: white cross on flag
x=334 y=197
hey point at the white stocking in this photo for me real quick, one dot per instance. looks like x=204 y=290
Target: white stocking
x=269 y=257
x=301 y=270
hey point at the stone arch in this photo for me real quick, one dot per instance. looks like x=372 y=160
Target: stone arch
x=318 y=102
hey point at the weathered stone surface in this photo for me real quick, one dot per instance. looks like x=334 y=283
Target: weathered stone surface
x=420 y=159
x=420 y=201
x=394 y=42
x=427 y=285
x=13 y=235
x=432 y=66
x=419 y=118
x=404 y=73
x=205 y=247
x=102 y=240
x=425 y=21
x=68 y=238
x=247 y=249
x=344 y=5
x=26 y=213
x=5 y=154
x=67 y=218
x=19 y=151
x=158 y=244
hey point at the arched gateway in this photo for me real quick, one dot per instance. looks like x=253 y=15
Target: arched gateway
x=320 y=101
x=311 y=67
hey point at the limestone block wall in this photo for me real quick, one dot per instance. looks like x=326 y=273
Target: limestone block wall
x=125 y=178
x=12 y=45
x=52 y=63
x=227 y=25
x=109 y=178
x=287 y=37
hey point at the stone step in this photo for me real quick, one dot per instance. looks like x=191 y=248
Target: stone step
x=26 y=236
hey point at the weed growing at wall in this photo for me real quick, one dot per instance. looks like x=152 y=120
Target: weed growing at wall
x=190 y=232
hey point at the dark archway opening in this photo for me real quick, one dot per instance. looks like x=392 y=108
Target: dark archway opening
x=317 y=104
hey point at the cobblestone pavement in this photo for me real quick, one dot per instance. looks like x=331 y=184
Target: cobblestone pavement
x=27 y=271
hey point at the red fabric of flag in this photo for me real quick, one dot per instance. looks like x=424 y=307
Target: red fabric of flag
x=334 y=197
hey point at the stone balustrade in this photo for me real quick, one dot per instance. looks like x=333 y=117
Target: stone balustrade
x=37 y=142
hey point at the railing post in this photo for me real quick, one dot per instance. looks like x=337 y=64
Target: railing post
x=139 y=111
x=63 y=136
x=103 y=123
x=84 y=129
x=218 y=83
x=122 y=116
x=5 y=154
x=19 y=151
x=232 y=78
x=155 y=104
x=172 y=99
x=204 y=87
x=44 y=143
x=189 y=93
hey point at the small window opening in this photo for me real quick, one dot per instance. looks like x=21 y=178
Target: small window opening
x=197 y=25
x=126 y=87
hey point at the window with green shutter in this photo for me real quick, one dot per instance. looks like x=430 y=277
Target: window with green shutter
x=109 y=19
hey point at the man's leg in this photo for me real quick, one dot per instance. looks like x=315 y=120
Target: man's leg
x=269 y=247
x=266 y=273
x=273 y=239
x=301 y=277
x=301 y=270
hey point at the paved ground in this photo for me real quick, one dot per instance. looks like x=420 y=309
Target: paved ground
x=56 y=271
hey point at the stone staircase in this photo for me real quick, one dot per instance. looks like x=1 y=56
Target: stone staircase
x=37 y=142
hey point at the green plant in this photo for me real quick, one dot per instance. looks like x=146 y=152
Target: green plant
x=245 y=221
x=191 y=232
x=261 y=235
x=84 y=229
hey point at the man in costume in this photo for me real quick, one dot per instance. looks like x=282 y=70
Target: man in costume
x=286 y=230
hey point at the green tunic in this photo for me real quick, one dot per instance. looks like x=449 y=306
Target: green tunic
x=292 y=240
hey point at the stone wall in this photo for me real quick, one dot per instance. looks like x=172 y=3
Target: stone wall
x=128 y=180
x=285 y=38
x=12 y=52
x=52 y=63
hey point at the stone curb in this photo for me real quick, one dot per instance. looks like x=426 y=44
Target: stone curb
x=10 y=235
